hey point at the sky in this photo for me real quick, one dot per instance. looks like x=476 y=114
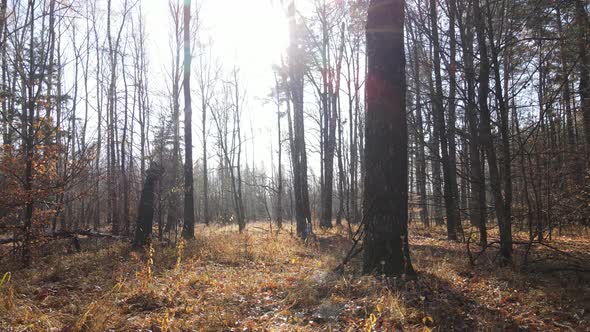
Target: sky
x=250 y=34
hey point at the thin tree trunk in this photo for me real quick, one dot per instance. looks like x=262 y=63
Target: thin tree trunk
x=486 y=130
x=449 y=172
x=477 y=206
x=188 y=229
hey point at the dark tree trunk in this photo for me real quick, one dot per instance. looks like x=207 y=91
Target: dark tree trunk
x=576 y=161
x=206 y=214
x=449 y=172
x=145 y=213
x=437 y=182
x=299 y=157
x=111 y=106
x=279 y=207
x=173 y=209
x=188 y=229
x=583 y=27
x=504 y=223
x=452 y=70
x=477 y=205
x=385 y=201
x=420 y=155
x=486 y=130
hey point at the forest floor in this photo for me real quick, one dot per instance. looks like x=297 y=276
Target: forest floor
x=225 y=281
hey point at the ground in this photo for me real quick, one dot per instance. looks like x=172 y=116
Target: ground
x=261 y=281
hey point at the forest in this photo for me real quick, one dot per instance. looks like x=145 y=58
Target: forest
x=295 y=165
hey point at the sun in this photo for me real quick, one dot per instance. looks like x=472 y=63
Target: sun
x=253 y=31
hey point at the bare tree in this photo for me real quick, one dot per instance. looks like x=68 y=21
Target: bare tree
x=385 y=203
x=188 y=229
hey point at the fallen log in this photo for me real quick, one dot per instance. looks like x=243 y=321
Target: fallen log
x=65 y=235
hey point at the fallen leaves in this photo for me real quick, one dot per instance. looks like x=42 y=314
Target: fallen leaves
x=280 y=284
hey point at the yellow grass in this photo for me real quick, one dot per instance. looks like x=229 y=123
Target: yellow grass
x=225 y=281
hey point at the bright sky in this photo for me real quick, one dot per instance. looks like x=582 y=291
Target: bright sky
x=252 y=34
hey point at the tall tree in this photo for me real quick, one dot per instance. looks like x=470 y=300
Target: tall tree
x=279 y=207
x=477 y=205
x=188 y=229
x=583 y=37
x=486 y=129
x=176 y=45
x=298 y=151
x=385 y=200
x=419 y=130
x=449 y=171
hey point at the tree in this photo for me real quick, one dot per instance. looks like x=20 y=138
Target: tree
x=145 y=215
x=279 y=190
x=176 y=46
x=449 y=171
x=188 y=229
x=477 y=204
x=298 y=152
x=385 y=199
x=228 y=111
x=582 y=27
x=486 y=131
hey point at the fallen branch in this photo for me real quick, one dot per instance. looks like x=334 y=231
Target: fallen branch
x=8 y=240
x=565 y=326
x=66 y=235
x=97 y=234
x=358 y=235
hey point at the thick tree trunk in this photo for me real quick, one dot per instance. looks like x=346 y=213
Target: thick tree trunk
x=145 y=213
x=385 y=201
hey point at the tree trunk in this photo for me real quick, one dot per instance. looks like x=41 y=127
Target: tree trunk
x=385 y=200
x=504 y=224
x=486 y=130
x=299 y=158
x=420 y=156
x=583 y=28
x=477 y=205
x=145 y=213
x=188 y=229
x=449 y=172
x=173 y=210
x=279 y=208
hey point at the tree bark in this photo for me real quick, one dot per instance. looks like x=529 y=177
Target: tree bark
x=449 y=172
x=486 y=130
x=420 y=155
x=299 y=156
x=188 y=229
x=582 y=28
x=145 y=213
x=385 y=200
x=477 y=205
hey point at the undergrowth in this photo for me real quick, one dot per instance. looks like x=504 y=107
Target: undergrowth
x=258 y=280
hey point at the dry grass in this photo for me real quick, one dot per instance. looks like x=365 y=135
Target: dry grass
x=267 y=282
